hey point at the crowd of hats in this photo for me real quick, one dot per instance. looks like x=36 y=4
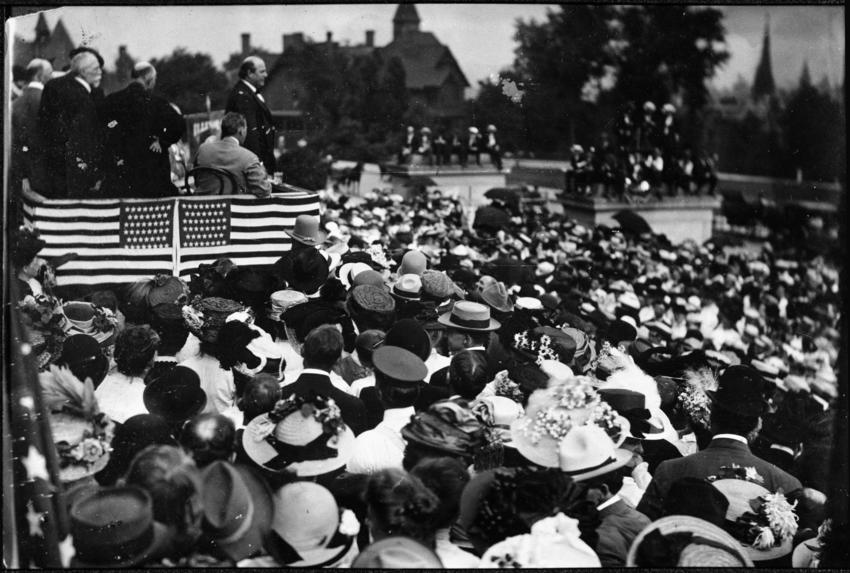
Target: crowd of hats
x=589 y=339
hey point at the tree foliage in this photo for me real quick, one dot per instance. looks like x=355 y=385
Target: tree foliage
x=186 y=79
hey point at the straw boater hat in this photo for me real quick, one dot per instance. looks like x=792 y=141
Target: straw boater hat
x=306 y=436
x=470 y=316
x=306 y=231
x=709 y=546
x=87 y=318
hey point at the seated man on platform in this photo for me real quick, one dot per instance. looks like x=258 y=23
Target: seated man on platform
x=228 y=154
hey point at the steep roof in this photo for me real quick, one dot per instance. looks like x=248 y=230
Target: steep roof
x=406 y=13
x=426 y=62
x=763 y=84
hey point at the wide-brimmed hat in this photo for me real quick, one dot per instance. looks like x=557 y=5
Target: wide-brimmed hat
x=308 y=529
x=496 y=295
x=306 y=230
x=83 y=351
x=87 y=318
x=587 y=451
x=176 y=396
x=553 y=542
x=447 y=426
x=698 y=498
x=204 y=317
x=303 y=435
x=114 y=527
x=552 y=412
x=742 y=494
x=408 y=287
x=397 y=552
x=26 y=244
x=399 y=364
x=348 y=271
x=709 y=546
x=471 y=316
x=238 y=509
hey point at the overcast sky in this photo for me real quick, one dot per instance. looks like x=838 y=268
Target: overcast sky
x=480 y=35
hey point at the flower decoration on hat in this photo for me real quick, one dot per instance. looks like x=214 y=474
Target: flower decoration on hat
x=44 y=317
x=693 y=400
x=502 y=385
x=379 y=256
x=771 y=522
x=539 y=344
x=324 y=410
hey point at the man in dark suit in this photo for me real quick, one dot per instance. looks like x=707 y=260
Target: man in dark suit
x=322 y=348
x=228 y=154
x=72 y=129
x=246 y=99
x=736 y=414
x=140 y=128
x=27 y=168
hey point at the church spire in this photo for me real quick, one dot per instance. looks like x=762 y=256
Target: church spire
x=42 y=30
x=406 y=20
x=763 y=84
x=805 y=75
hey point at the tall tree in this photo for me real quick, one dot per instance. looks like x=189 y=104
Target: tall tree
x=187 y=79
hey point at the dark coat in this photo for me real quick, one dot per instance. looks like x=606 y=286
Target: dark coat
x=73 y=136
x=141 y=118
x=619 y=526
x=708 y=462
x=428 y=394
x=353 y=410
x=27 y=144
x=261 y=133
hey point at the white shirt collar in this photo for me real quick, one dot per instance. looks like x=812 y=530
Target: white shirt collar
x=253 y=89
x=785 y=449
x=476 y=348
x=36 y=85
x=315 y=371
x=231 y=138
x=735 y=437
x=610 y=501
x=84 y=83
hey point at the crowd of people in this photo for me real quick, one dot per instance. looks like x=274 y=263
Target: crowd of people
x=643 y=159
x=449 y=147
x=402 y=389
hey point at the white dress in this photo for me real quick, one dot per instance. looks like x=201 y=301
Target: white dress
x=121 y=397
x=216 y=382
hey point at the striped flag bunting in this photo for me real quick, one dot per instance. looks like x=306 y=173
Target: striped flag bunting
x=125 y=240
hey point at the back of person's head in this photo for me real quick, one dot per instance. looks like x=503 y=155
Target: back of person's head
x=82 y=59
x=400 y=504
x=724 y=421
x=446 y=478
x=609 y=483
x=260 y=395
x=38 y=70
x=135 y=349
x=366 y=343
x=248 y=66
x=172 y=335
x=208 y=438
x=322 y=347
x=145 y=72
x=468 y=374
x=231 y=123
x=173 y=481
x=394 y=394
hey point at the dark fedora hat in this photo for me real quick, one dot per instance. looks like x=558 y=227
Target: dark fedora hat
x=176 y=396
x=741 y=390
x=238 y=508
x=306 y=230
x=114 y=527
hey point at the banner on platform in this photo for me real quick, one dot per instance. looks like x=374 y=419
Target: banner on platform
x=125 y=240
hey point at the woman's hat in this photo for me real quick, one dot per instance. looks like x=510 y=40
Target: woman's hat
x=204 y=317
x=131 y=437
x=176 y=396
x=80 y=350
x=308 y=272
x=741 y=493
x=438 y=285
x=408 y=287
x=496 y=295
x=709 y=545
x=348 y=271
x=305 y=436
x=413 y=262
x=397 y=552
x=470 y=316
x=306 y=527
x=283 y=300
x=449 y=427
x=87 y=318
x=25 y=246
x=587 y=451
x=238 y=509
x=306 y=231
x=551 y=414
x=114 y=527
x=553 y=542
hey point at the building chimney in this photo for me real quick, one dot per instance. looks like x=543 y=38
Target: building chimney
x=246 y=44
x=122 y=50
x=370 y=38
x=329 y=37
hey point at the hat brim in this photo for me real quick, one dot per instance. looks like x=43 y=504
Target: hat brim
x=261 y=452
x=688 y=524
x=325 y=557
x=162 y=538
x=446 y=320
x=621 y=458
x=251 y=543
x=304 y=240
x=667 y=432
x=193 y=408
x=76 y=472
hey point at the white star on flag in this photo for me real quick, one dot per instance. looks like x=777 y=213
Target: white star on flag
x=36 y=465
x=34 y=518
